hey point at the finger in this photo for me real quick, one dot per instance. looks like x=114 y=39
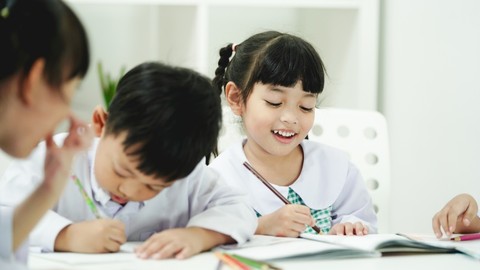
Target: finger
x=79 y=135
x=49 y=141
x=151 y=248
x=470 y=214
x=442 y=218
x=289 y=233
x=338 y=229
x=167 y=251
x=452 y=218
x=118 y=236
x=303 y=219
x=358 y=228
x=365 y=230
x=297 y=227
x=112 y=246
x=348 y=228
x=184 y=253
x=436 y=226
x=301 y=209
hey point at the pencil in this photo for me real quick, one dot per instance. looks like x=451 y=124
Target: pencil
x=87 y=199
x=231 y=262
x=466 y=237
x=254 y=263
x=276 y=192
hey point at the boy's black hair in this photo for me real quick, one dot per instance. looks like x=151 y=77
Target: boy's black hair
x=173 y=113
x=48 y=29
x=270 y=58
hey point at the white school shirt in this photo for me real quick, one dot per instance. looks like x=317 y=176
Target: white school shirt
x=9 y=258
x=7 y=255
x=327 y=178
x=201 y=199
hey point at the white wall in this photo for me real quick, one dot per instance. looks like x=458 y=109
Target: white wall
x=430 y=94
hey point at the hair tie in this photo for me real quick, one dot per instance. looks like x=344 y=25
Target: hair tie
x=234 y=47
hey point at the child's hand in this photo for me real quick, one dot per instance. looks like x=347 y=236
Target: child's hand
x=180 y=243
x=348 y=228
x=455 y=216
x=58 y=160
x=288 y=221
x=93 y=236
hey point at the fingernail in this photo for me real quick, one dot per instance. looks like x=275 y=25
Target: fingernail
x=438 y=235
x=466 y=222
x=81 y=130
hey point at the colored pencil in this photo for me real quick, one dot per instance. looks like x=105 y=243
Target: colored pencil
x=87 y=199
x=254 y=263
x=466 y=237
x=276 y=192
x=231 y=262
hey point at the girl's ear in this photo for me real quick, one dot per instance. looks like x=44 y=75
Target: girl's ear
x=233 y=96
x=31 y=85
x=99 y=119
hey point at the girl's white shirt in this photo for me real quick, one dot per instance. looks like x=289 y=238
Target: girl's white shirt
x=328 y=178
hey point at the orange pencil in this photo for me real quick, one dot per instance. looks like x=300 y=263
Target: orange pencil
x=231 y=262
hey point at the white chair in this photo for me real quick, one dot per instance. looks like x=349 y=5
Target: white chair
x=362 y=134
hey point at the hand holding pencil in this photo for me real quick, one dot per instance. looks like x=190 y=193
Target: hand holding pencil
x=287 y=221
x=100 y=235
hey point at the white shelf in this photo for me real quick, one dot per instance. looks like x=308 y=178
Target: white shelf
x=251 y=3
x=190 y=33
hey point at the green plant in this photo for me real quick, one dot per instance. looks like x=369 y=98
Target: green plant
x=108 y=83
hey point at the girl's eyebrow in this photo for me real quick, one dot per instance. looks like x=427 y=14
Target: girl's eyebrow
x=310 y=95
x=279 y=90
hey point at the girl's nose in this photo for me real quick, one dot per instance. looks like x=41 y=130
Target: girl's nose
x=289 y=117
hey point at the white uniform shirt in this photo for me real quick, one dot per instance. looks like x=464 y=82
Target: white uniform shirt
x=327 y=178
x=201 y=199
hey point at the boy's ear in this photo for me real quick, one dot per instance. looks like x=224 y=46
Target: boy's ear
x=233 y=96
x=30 y=85
x=99 y=119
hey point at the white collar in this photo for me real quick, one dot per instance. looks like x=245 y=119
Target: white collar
x=323 y=176
x=98 y=193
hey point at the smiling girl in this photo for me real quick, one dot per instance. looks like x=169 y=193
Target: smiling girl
x=272 y=82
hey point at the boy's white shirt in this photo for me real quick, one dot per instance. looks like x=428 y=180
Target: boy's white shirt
x=201 y=199
x=328 y=178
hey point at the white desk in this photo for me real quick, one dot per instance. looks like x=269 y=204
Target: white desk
x=209 y=261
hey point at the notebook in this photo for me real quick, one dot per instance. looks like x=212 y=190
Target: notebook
x=263 y=247
x=333 y=246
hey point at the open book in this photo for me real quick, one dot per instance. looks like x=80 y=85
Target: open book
x=332 y=246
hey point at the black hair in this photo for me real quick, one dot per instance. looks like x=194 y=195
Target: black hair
x=270 y=58
x=42 y=29
x=172 y=113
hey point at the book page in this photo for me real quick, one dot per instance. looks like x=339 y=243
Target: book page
x=82 y=258
x=269 y=248
x=366 y=242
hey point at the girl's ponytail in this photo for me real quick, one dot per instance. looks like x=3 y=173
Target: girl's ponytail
x=219 y=80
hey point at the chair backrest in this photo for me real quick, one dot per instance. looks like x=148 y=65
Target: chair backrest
x=362 y=134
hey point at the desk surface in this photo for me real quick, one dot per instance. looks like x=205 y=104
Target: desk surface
x=124 y=261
